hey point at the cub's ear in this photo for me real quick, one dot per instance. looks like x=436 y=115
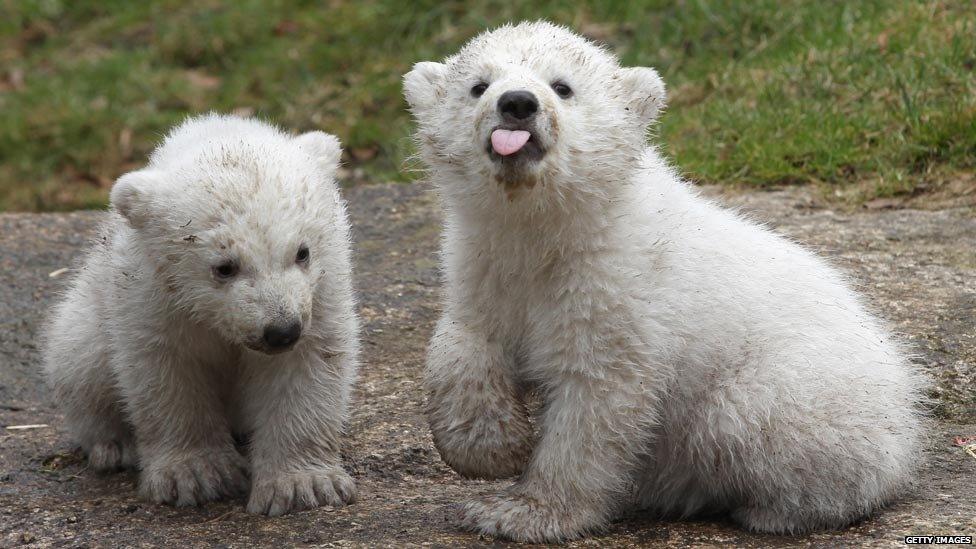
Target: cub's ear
x=642 y=90
x=423 y=85
x=323 y=147
x=132 y=195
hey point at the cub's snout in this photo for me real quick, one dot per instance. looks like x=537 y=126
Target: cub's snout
x=281 y=336
x=518 y=105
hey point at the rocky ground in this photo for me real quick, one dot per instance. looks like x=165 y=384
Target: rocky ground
x=918 y=268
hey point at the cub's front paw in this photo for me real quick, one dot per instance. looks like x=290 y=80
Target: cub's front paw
x=525 y=518
x=277 y=494
x=485 y=458
x=205 y=476
x=486 y=448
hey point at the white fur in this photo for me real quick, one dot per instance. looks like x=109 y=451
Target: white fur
x=688 y=359
x=157 y=363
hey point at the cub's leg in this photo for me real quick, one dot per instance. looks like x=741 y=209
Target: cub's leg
x=788 y=454
x=77 y=369
x=186 y=450
x=593 y=428
x=297 y=404
x=479 y=421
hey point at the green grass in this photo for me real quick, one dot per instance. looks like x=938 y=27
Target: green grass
x=763 y=92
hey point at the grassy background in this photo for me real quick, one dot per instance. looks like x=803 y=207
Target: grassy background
x=879 y=94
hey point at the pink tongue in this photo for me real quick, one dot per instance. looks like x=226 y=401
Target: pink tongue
x=506 y=142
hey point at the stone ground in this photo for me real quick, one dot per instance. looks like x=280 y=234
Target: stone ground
x=918 y=268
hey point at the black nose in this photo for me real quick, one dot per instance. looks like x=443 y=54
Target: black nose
x=519 y=104
x=281 y=336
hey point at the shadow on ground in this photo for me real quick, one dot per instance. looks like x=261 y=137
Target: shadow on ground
x=918 y=269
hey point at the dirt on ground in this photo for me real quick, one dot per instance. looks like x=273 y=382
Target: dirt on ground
x=917 y=268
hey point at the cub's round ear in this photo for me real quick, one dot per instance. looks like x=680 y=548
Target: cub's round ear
x=423 y=85
x=323 y=147
x=642 y=90
x=132 y=196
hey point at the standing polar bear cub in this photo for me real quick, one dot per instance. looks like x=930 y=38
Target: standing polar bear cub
x=217 y=302
x=689 y=360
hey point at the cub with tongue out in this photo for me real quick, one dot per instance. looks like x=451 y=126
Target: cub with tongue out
x=688 y=360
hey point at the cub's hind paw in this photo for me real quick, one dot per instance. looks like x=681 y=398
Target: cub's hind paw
x=112 y=455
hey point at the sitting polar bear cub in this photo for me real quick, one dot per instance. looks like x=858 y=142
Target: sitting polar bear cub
x=219 y=301
x=688 y=359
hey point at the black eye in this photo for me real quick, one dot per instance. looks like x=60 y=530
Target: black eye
x=562 y=90
x=302 y=255
x=479 y=89
x=225 y=270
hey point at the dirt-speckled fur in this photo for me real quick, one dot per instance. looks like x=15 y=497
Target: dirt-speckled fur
x=157 y=362
x=689 y=360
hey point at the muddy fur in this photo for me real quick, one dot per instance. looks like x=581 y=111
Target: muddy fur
x=157 y=361
x=690 y=360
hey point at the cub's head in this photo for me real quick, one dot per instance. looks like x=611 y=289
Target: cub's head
x=532 y=103
x=241 y=231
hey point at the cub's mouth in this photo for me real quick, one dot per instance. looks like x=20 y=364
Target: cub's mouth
x=514 y=144
x=265 y=349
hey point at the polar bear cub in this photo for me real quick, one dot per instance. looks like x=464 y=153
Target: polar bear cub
x=689 y=360
x=218 y=301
